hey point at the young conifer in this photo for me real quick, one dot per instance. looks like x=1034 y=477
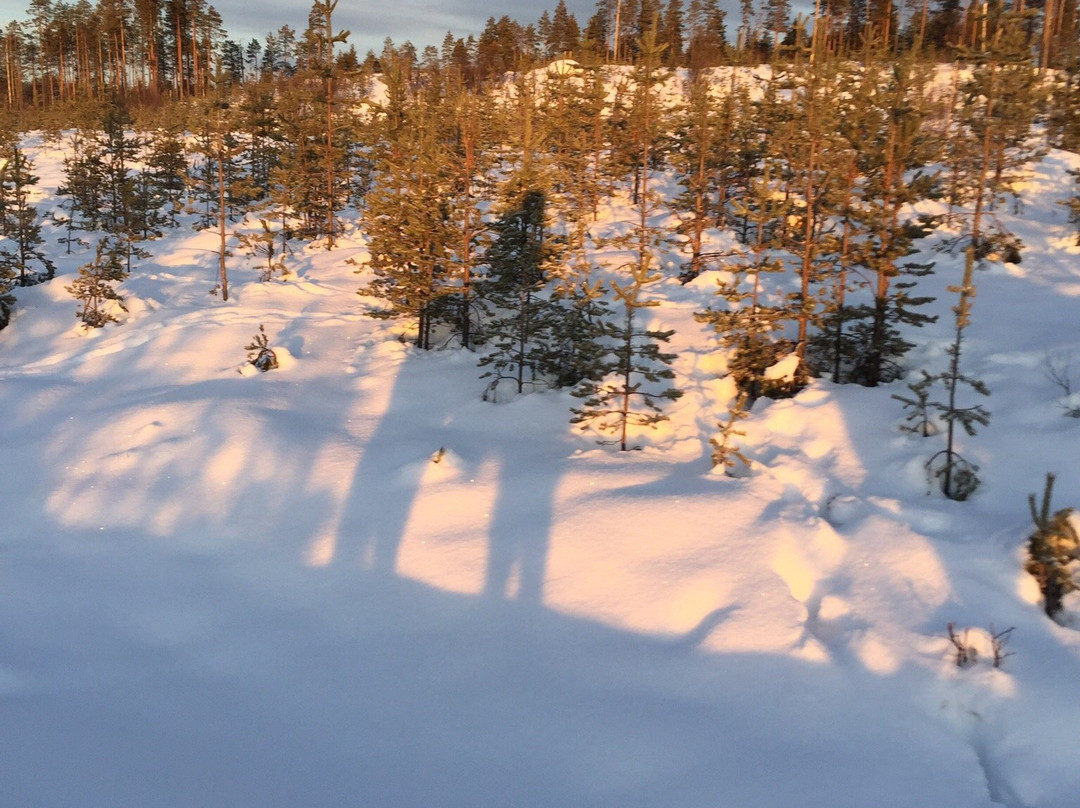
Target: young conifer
x=93 y=287
x=726 y=454
x=21 y=223
x=7 y=299
x=408 y=219
x=697 y=137
x=1053 y=551
x=331 y=153
x=166 y=171
x=119 y=149
x=521 y=316
x=957 y=476
x=84 y=184
x=750 y=324
x=628 y=396
x=892 y=145
x=263 y=245
x=991 y=141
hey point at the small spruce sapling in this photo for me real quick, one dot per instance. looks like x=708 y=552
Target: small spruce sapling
x=1053 y=550
x=260 y=354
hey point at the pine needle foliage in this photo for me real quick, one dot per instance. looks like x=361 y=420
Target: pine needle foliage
x=519 y=331
x=919 y=419
x=409 y=222
x=627 y=396
x=725 y=453
x=957 y=476
x=94 y=285
x=7 y=299
x=20 y=222
x=263 y=245
x=1053 y=551
x=260 y=354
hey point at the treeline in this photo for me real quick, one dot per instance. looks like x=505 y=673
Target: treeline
x=153 y=49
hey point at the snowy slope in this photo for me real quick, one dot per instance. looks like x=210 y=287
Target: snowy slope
x=223 y=589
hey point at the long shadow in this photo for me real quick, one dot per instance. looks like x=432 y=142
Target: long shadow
x=520 y=531
x=387 y=478
x=419 y=419
x=416 y=697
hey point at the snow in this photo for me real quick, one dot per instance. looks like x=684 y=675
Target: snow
x=350 y=581
x=784 y=370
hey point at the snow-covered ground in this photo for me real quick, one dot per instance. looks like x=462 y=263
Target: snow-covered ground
x=224 y=589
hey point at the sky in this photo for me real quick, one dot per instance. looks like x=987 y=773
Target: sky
x=422 y=22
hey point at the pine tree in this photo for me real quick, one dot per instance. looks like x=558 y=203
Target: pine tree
x=8 y=275
x=470 y=161
x=573 y=130
x=409 y=224
x=1053 y=550
x=707 y=44
x=120 y=149
x=167 y=169
x=263 y=245
x=564 y=35
x=627 y=397
x=521 y=316
x=992 y=140
x=751 y=324
x=331 y=151
x=672 y=34
x=21 y=224
x=725 y=454
x=7 y=299
x=697 y=149
x=221 y=182
x=740 y=153
x=835 y=348
x=777 y=18
x=943 y=25
x=570 y=125
x=893 y=146
x=94 y=285
x=919 y=419
x=1064 y=124
x=297 y=183
x=260 y=354
x=579 y=328
x=84 y=183
x=259 y=120
x=957 y=476
x=818 y=165
x=9 y=140
x=1073 y=204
